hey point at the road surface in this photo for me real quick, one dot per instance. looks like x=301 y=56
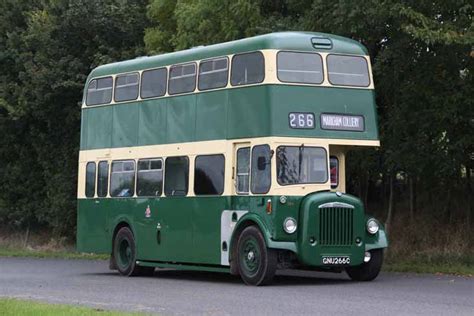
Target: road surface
x=168 y=292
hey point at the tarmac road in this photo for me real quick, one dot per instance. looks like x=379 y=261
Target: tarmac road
x=90 y=283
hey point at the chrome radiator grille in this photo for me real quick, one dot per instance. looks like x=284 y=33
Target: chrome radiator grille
x=336 y=224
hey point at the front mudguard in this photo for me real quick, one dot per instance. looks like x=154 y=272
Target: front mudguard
x=377 y=241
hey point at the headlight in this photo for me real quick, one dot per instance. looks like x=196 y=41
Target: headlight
x=289 y=225
x=372 y=226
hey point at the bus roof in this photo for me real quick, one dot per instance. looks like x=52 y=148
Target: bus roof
x=298 y=41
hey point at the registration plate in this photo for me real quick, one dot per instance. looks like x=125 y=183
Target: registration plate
x=336 y=260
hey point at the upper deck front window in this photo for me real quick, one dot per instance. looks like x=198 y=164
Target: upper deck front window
x=300 y=67
x=301 y=164
x=348 y=70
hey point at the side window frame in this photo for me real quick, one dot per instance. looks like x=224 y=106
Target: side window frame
x=194 y=76
x=133 y=180
x=243 y=174
x=87 y=189
x=166 y=82
x=150 y=170
x=106 y=181
x=337 y=171
x=96 y=80
x=166 y=175
x=222 y=189
x=252 y=165
x=232 y=69
x=227 y=71
x=137 y=74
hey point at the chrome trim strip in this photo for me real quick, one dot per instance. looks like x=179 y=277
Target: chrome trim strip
x=336 y=204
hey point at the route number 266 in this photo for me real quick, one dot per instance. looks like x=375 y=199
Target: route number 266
x=301 y=120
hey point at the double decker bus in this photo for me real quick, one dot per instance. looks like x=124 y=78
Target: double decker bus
x=230 y=158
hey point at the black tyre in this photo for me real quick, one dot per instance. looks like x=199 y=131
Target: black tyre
x=255 y=262
x=368 y=270
x=125 y=254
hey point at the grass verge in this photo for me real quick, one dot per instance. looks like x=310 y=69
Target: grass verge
x=15 y=307
x=438 y=264
x=40 y=253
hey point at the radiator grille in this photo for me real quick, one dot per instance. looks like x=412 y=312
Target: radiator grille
x=336 y=226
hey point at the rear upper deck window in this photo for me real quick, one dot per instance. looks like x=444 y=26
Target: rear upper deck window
x=126 y=87
x=153 y=83
x=99 y=91
x=300 y=67
x=247 y=68
x=213 y=74
x=348 y=70
x=182 y=78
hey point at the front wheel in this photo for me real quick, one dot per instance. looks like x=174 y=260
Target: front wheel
x=256 y=263
x=125 y=254
x=368 y=270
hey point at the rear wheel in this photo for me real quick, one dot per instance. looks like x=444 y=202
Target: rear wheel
x=368 y=270
x=125 y=254
x=256 y=263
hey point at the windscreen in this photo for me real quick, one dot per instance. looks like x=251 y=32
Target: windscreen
x=301 y=164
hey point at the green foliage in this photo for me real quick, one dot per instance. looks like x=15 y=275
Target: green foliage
x=422 y=55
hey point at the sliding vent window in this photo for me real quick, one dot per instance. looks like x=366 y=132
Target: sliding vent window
x=126 y=87
x=122 y=178
x=182 y=79
x=209 y=175
x=176 y=176
x=99 y=91
x=247 y=69
x=102 y=179
x=213 y=74
x=348 y=70
x=300 y=67
x=90 y=179
x=153 y=83
x=150 y=177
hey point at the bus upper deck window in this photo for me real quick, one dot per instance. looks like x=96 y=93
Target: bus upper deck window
x=99 y=91
x=126 y=87
x=300 y=67
x=348 y=70
x=334 y=166
x=247 y=68
x=153 y=83
x=213 y=74
x=182 y=78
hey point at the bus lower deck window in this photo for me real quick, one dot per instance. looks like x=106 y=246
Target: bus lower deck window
x=90 y=179
x=176 y=176
x=209 y=175
x=102 y=179
x=122 y=178
x=150 y=177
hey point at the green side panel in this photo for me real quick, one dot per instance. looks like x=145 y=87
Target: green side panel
x=249 y=112
x=92 y=234
x=99 y=128
x=125 y=125
x=317 y=100
x=255 y=111
x=181 y=119
x=207 y=228
x=152 y=122
x=211 y=115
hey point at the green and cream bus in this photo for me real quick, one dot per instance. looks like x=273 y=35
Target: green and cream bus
x=230 y=158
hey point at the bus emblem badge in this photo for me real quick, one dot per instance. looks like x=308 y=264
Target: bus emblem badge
x=148 y=212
